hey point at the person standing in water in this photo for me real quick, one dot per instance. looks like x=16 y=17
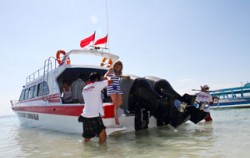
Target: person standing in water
x=93 y=110
x=204 y=97
x=114 y=89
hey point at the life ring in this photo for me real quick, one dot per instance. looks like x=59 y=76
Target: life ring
x=110 y=62
x=58 y=58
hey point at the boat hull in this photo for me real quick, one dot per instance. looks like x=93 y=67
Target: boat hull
x=232 y=104
x=70 y=124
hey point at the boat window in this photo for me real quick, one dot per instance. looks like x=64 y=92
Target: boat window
x=43 y=89
x=35 y=91
x=247 y=95
x=40 y=91
x=22 y=95
x=26 y=93
x=238 y=95
x=31 y=91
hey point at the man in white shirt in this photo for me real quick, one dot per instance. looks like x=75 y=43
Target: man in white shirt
x=76 y=89
x=206 y=99
x=93 y=109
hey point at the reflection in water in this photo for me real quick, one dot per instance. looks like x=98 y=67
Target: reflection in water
x=227 y=136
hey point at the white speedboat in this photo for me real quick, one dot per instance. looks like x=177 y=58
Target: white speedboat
x=147 y=101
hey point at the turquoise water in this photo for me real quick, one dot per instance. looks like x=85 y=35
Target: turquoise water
x=227 y=136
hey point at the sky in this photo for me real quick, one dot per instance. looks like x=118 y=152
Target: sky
x=187 y=42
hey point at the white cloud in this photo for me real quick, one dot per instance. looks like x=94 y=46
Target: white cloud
x=94 y=19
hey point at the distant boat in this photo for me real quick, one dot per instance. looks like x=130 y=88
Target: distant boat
x=235 y=97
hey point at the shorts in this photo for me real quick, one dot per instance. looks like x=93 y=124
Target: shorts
x=92 y=127
x=114 y=89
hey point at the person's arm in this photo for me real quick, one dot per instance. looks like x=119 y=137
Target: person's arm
x=103 y=84
x=108 y=73
x=125 y=76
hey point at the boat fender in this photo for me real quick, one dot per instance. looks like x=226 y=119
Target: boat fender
x=58 y=58
x=110 y=62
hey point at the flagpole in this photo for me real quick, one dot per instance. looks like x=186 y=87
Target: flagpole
x=107 y=26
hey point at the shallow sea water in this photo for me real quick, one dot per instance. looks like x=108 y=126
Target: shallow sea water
x=227 y=136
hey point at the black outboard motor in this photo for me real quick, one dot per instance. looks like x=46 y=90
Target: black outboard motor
x=175 y=117
x=149 y=97
x=193 y=114
x=196 y=114
x=145 y=101
x=164 y=88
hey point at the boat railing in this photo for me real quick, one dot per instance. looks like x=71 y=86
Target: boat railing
x=13 y=102
x=49 y=65
x=239 y=93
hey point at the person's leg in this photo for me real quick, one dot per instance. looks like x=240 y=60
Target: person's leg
x=87 y=140
x=114 y=100
x=102 y=137
x=117 y=106
x=208 y=118
x=118 y=100
x=88 y=132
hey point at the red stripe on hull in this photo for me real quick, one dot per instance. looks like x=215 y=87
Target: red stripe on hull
x=62 y=110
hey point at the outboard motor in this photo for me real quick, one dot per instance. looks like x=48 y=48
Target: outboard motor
x=196 y=114
x=145 y=101
x=147 y=97
x=193 y=114
x=175 y=117
x=164 y=88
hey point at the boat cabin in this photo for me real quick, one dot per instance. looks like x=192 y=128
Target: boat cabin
x=47 y=83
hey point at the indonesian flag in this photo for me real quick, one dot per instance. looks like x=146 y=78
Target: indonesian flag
x=87 y=41
x=102 y=40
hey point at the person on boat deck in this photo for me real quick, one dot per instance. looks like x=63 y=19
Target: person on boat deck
x=76 y=89
x=93 y=109
x=114 y=90
x=205 y=97
x=66 y=92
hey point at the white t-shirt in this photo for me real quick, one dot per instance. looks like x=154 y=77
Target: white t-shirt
x=204 y=97
x=93 y=102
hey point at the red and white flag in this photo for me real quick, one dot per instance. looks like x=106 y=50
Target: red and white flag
x=85 y=42
x=102 y=40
